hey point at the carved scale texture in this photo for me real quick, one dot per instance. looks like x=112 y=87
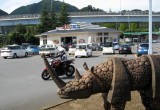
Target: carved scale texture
x=139 y=72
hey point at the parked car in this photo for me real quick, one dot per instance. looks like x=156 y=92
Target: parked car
x=83 y=50
x=100 y=46
x=94 y=46
x=66 y=46
x=108 y=48
x=13 y=51
x=116 y=47
x=125 y=48
x=72 y=49
x=48 y=50
x=142 y=49
x=60 y=48
x=25 y=45
x=33 y=50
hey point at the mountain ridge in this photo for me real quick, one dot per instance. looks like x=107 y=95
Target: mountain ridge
x=36 y=8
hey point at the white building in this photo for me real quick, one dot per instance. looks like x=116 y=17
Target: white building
x=79 y=33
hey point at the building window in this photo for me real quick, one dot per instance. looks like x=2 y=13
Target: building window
x=44 y=40
x=74 y=40
x=99 y=34
x=62 y=39
x=106 y=34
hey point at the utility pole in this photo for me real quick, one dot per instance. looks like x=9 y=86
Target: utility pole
x=150 y=27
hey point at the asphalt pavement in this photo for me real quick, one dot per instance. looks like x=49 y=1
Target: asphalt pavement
x=21 y=85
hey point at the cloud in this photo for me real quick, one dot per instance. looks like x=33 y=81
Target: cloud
x=116 y=5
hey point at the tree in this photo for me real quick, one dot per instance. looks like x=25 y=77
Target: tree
x=16 y=38
x=21 y=29
x=3 y=40
x=45 y=22
x=31 y=39
x=90 y=8
x=134 y=26
x=123 y=26
x=54 y=18
x=109 y=25
x=64 y=16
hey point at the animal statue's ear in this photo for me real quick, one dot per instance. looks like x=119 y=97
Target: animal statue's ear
x=85 y=66
x=77 y=74
x=92 y=69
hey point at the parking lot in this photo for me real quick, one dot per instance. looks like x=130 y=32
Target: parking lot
x=22 y=87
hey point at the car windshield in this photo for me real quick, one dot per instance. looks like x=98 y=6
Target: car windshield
x=31 y=46
x=144 y=45
x=108 y=44
x=81 y=46
x=9 y=47
x=123 y=46
x=72 y=46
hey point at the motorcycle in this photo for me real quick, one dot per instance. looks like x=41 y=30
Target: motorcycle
x=60 y=67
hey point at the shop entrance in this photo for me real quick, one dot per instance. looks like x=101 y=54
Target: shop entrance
x=67 y=41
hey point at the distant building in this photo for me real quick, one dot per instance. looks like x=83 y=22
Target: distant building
x=79 y=33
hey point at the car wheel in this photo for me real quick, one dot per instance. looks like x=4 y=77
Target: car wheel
x=26 y=54
x=4 y=57
x=87 y=55
x=91 y=54
x=14 y=55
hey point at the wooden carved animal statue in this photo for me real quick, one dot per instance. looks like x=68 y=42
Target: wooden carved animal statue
x=117 y=76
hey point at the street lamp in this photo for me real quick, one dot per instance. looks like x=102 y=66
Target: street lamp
x=150 y=27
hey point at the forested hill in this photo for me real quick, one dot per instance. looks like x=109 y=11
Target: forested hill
x=3 y=12
x=36 y=8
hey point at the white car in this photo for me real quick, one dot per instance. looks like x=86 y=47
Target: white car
x=71 y=50
x=108 y=48
x=48 y=50
x=60 y=48
x=83 y=50
x=13 y=51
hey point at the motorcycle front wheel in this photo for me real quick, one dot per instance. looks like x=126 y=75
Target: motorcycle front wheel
x=70 y=71
x=45 y=75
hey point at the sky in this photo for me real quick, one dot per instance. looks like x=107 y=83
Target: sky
x=106 y=5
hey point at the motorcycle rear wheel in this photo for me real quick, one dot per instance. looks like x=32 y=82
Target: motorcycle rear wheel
x=45 y=75
x=70 y=71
